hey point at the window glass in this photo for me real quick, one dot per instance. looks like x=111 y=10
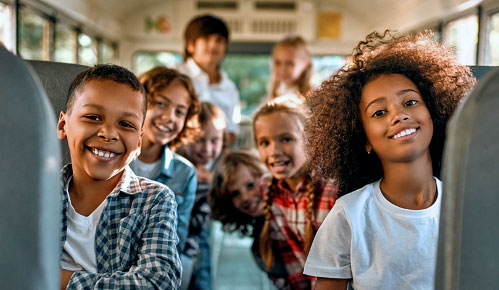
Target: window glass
x=87 y=50
x=6 y=30
x=65 y=44
x=107 y=53
x=33 y=36
x=494 y=40
x=325 y=67
x=144 y=61
x=462 y=35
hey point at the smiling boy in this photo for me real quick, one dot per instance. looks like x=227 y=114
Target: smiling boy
x=118 y=230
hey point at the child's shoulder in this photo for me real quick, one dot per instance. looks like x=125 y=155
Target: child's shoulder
x=358 y=198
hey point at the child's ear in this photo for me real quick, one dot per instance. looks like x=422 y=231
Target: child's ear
x=61 y=126
x=369 y=149
x=137 y=153
x=190 y=47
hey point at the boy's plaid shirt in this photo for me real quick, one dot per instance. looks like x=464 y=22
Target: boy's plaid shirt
x=135 y=240
x=288 y=225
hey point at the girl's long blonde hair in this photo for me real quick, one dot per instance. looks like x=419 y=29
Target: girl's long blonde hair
x=303 y=82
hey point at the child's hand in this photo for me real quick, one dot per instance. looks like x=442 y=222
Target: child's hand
x=65 y=277
x=203 y=174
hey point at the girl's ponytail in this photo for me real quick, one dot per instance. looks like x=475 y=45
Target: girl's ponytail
x=265 y=241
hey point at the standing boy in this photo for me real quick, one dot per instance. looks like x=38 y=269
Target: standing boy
x=118 y=230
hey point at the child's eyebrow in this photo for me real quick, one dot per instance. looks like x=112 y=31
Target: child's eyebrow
x=398 y=94
x=101 y=108
x=373 y=102
x=403 y=92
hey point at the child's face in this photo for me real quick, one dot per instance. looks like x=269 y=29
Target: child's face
x=396 y=121
x=280 y=141
x=209 y=49
x=208 y=147
x=166 y=115
x=103 y=128
x=289 y=63
x=245 y=191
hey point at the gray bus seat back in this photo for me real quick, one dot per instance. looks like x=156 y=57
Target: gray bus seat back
x=29 y=185
x=468 y=254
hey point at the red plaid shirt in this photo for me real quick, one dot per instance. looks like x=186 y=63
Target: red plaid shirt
x=288 y=226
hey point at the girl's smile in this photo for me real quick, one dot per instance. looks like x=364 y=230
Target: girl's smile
x=280 y=142
x=396 y=121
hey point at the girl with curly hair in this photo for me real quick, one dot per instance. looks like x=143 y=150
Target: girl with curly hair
x=295 y=204
x=378 y=129
x=292 y=68
x=170 y=121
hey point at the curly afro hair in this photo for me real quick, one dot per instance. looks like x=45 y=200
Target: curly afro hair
x=336 y=138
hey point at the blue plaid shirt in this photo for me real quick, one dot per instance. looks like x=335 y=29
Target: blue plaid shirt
x=135 y=240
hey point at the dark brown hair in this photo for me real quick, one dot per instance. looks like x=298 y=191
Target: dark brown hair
x=336 y=138
x=158 y=79
x=203 y=26
x=102 y=72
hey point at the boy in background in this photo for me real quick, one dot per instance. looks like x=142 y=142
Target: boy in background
x=118 y=230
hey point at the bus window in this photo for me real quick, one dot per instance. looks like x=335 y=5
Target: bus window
x=144 y=61
x=325 y=67
x=87 y=50
x=6 y=37
x=463 y=35
x=251 y=74
x=65 y=44
x=494 y=40
x=34 y=36
x=106 y=53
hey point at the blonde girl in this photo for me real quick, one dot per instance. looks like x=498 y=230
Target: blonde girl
x=295 y=204
x=291 y=68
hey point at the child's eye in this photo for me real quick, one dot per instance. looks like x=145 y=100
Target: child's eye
x=263 y=143
x=250 y=185
x=180 y=113
x=378 y=113
x=93 y=117
x=160 y=104
x=410 y=103
x=127 y=125
x=287 y=139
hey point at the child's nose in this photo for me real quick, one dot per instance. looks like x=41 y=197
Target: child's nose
x=400 y=116
x=108 y=133
x=168 y=115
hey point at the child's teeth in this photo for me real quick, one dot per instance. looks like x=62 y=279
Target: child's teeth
x=101 y=154
x=106 y=155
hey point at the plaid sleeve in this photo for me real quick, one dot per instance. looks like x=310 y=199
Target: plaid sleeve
x=158 y=264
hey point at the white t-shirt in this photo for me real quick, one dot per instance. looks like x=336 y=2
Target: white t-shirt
x=79 y=249
x=147 y=170
x=223 y=94
x=376 y=243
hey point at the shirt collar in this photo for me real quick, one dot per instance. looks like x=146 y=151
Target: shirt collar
x=129 y=182
x=196 y=71
x=167 y=168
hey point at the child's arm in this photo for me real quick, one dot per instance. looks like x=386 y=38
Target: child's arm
x=158 y=263
x=184 y=210
x=331 y=284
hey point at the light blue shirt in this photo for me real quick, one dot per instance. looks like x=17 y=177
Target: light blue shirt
x=179 y=175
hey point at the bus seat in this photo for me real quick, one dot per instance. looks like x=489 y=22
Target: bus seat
x=56 y=78
x=29 y=180
x=468 y=255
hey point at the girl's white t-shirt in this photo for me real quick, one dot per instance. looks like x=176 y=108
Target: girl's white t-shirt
x=147 y=170
x=377 y=244
x=79 y=249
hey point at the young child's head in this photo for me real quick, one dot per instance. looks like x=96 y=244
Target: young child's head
x=236 y=197
x=206 y=39
x=292 y=65
x=208 y=146
x=279 y=133
x=355 y=123
x=172 y=107
x=105 y=110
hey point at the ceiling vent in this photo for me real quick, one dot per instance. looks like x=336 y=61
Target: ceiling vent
x=275 y=5
x=235 y=25
x=271 y=26
x=223 y=5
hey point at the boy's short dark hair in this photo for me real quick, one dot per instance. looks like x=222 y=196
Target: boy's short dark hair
x=109 y=72
x=203 y=26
